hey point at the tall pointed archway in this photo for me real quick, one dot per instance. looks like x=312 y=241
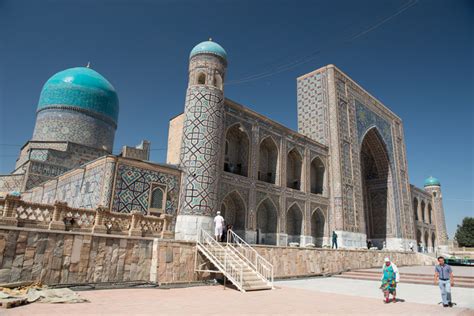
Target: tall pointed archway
x=267 y=219
x=317 y=227
x=294 y=220
x=234 y=211
x=375 y=176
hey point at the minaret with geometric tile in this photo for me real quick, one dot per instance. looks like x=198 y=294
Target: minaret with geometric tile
x=433 y=186
x=200 y=145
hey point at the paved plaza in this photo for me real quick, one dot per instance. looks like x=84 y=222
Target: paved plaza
x=460 y=271
x=294 y=297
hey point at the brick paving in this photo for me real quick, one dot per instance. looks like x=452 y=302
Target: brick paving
x=213 y=300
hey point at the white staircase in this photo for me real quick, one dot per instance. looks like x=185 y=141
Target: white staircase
x=237 y=260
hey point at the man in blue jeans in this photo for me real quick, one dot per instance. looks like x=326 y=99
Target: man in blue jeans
x=444 y=277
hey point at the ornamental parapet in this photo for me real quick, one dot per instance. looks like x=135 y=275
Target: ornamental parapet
x=60 y=217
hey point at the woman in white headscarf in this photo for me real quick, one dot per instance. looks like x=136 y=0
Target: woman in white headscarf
x=390 y=279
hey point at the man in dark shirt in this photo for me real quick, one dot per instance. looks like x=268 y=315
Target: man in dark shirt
x=445 y=279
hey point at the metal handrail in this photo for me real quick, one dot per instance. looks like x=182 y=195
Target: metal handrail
x=263 y=267
x=233 y=271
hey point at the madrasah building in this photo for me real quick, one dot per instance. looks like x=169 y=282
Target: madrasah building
x=344 y=170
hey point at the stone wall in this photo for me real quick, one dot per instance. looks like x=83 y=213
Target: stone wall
x=66 y=258
x=297 y=262
x=175 y=263
x=76 y=257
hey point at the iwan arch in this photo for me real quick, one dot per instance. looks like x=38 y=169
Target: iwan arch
x=344 y=170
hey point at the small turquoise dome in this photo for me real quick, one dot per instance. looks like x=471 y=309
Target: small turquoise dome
x=432 y=181
x=83 y=88
x=209 y=47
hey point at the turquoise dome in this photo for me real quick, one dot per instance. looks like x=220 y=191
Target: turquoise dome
x=209 y=47
x=83 y=88
x=432 y=181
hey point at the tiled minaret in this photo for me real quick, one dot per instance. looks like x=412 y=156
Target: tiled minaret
x=202 y=132
x=433 y=186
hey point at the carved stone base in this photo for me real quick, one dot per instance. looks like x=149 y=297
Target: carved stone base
x=99 y=230
x=188 y=226
x=57 y=225
x=7 y=221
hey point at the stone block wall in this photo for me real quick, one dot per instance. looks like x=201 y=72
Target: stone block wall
x=28 y=254
x=297 y=262
x=68 y=258
x=175 y=263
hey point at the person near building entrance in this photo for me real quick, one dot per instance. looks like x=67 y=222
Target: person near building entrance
x=334 y=240
x=410 y=245
x=390 y=279
x=445 y=279
x=218 y=226
x=369 y=244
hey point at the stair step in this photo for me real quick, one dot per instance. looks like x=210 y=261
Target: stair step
x=403 y=280
x=258 y=288
x=251 y=280
x=409 y=275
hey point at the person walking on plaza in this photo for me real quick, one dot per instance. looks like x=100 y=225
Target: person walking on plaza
x=390 y=279
x=334 y=239
x=218 y=226
x=445 y=279
x=410 y=245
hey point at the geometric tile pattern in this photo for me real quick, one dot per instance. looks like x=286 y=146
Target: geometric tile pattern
x=202 y=132
x=367 y=119
x=132 y=189
x=312 y=103
x=74 y=126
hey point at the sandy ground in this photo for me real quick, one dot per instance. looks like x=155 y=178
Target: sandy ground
x=214 y=300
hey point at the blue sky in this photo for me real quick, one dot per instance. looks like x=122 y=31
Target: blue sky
x=419 y=63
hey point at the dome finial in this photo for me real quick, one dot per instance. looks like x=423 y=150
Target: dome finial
x=88 y=64
x=210 y=39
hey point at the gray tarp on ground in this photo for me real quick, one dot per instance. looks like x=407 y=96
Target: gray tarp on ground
x=54 y=296
x=64 y=295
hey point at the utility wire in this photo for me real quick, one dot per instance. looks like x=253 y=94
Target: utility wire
x=313 y=55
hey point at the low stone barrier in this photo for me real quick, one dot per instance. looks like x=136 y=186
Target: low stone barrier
x=291 y=262
x=75 y=257
x=18 y=213
x=51 y=257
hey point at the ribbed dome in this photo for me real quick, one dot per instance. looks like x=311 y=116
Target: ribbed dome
x=432 y=181
x=83 y=88
x=209 y=47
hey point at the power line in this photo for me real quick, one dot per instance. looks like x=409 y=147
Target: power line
x=311 y=56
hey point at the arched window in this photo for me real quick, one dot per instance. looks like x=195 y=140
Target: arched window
x=317 y=227
x=294 y=218
x=268 y=161
x=423 y=217
x=430 y=211
x=157 y=199
x=236 y=151
x=415 y=208
x=267 y=218
x=293 y=170
x=218 y=81
x=201 y=78
x=317 y=176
